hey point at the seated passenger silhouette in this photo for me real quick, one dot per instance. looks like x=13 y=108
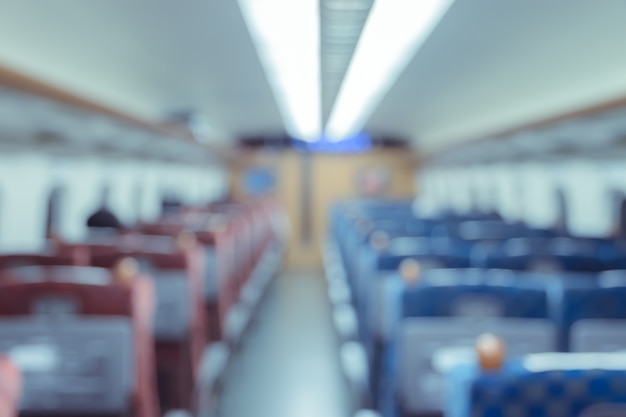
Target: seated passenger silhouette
x=103 y=217
x=170 y=204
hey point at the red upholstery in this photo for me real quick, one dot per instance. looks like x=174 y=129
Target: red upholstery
x=240 y=234
x=134 y=300
x=10 y=387
x=127 y=242
x=239 y=251
x=44 y=259
x=245 y=231
x=220 y=238
x=177 y=363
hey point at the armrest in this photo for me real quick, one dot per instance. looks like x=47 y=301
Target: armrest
x=212 y=369
x=346 y=321
x=356 y=370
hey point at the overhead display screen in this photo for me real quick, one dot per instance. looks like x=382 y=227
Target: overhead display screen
x=356 y=144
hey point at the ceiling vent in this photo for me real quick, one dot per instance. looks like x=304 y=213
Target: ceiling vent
x=190 y=122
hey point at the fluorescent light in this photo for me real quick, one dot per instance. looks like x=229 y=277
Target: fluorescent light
x=287 y=38
x=394 y=31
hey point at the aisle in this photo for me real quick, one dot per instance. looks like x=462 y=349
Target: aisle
x=288 y=366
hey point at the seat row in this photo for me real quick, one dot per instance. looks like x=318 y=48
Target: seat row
x=409 y=307
x=139 y=322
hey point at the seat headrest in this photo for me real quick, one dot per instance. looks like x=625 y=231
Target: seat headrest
x=75 y=274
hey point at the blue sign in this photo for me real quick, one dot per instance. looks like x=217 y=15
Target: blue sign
x=259 y=181
x=355 y=144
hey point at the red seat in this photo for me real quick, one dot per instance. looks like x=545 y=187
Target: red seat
x=23 y=287
x=242 y=232
x=219 y=241
x=177 y=360
x=75 y=256
x=237 y=245
x=239 y=233
x=236 y=217
x=211 y=241
x=10 y=387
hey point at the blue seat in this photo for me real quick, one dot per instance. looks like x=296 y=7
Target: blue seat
x=448 y=309
x=360 y=255
x=376 y=271
x=480 y=230
x=611 y=253
x=450 y=296
x=524 y=387
x=566 y=254
x=585 y=255
x=374 y=265
x=360 y=229
x=586 y=298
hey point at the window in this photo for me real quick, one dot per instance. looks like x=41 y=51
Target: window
x=562 y=219
x=619 y=214
x=138 y=201
x=53 y=214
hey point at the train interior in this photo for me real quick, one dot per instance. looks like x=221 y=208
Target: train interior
x=329 y=208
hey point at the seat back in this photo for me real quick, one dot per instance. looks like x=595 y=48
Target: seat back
x=209 y=240
x=471 y=292
x=548 y=384
x=174 y=307
x=174 y=288
x=374 y=265
x=549 y=254
x=211 y=282
x=604 y=410
x=591 y=300
x=444 y=313
x=82 y=340
x=179 y=326
x=79 y=365
x=598 y=335
x=429 y=347
x=22 y=259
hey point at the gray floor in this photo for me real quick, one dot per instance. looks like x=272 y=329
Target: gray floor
x=288 y=365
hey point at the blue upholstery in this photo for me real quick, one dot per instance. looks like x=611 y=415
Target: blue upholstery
x=374 y=265
x=480 y=229
x=452 y=241
x=582 y=255
x=587 y=299
x=515 y=391
x=447 y=293
x=439 y=291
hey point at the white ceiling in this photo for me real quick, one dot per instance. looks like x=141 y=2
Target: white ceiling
x=492 y=64
x=489 y=65
x=145 y=57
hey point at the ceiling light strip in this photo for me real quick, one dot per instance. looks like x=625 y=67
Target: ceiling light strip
x=393 y=32
x=286 y=34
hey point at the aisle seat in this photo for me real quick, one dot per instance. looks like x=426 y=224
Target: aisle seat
x=179 y=323
x=214 y=240
x=235 y=236
x=555 y=254
x=230 y=264
x=48 y=258
x=548 y=384
x=237 y=219
x=377 y=263
x=584 y=304
x=443 y=311
x=82 y=339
